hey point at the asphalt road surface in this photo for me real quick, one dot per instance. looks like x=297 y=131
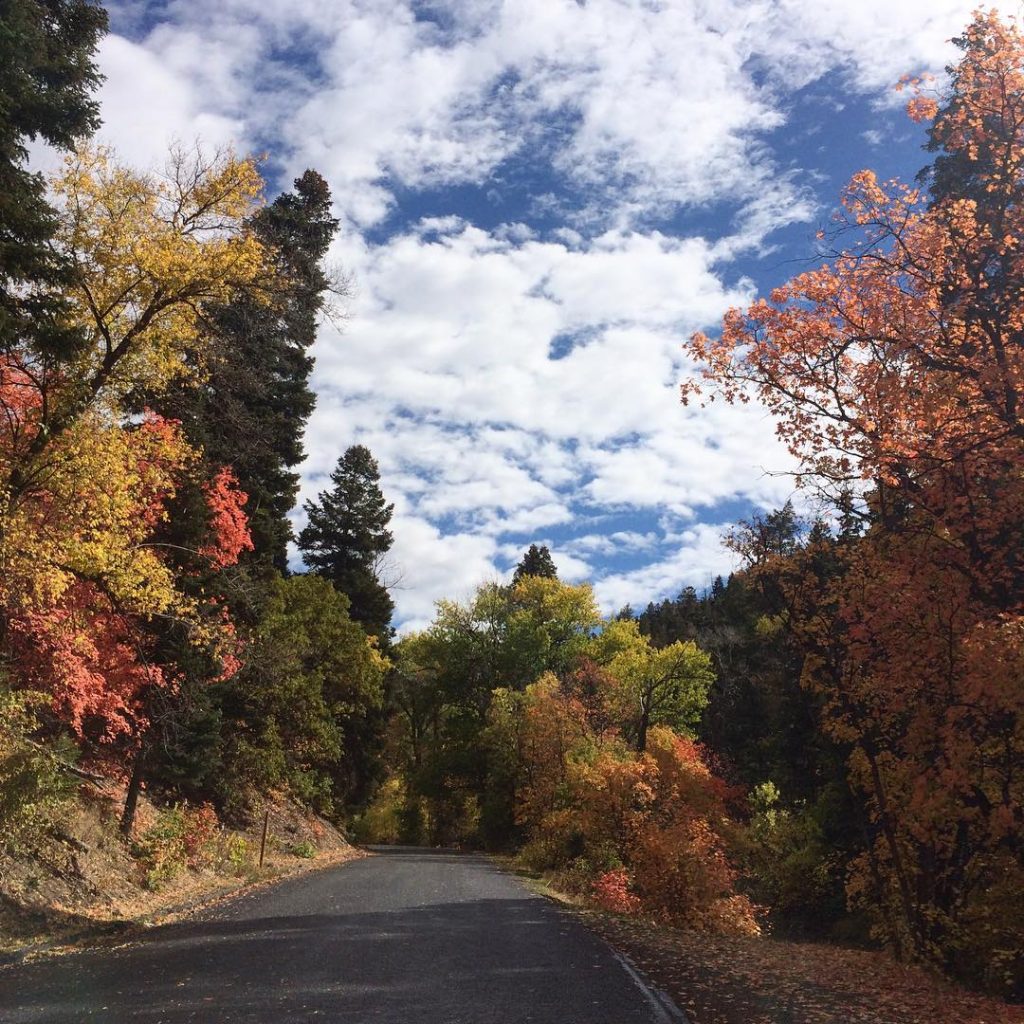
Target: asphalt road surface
x=403 y=937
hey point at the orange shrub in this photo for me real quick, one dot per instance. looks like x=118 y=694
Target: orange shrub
x=636 y=832
x=611 y=892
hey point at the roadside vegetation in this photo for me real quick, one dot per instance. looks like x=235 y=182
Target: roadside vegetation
x=154 y=365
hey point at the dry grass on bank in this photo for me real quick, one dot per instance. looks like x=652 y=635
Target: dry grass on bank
x=83 y=879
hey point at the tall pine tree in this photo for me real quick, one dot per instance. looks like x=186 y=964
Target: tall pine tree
x=347 y=536
x=251 y=413
x=47 y=75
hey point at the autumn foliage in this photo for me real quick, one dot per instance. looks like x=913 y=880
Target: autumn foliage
x=155 y=329
x=578 y=767
x=870 y=666
x=84 y=485
x=86 y=482
x=526 y=722
x=88 y=658
x=896 y=370
x=145 y=634
x=641 y=833
x=229 y=527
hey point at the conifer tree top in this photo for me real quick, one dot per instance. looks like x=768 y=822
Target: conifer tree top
x=536 y=562
x=347 y=534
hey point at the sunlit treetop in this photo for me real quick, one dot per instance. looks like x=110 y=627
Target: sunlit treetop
x=149 y=251
x=903 y=350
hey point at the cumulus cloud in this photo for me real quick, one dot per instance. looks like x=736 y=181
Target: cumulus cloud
x=697 y=558
x=445 y=371
x=641 y=105
x=432 y=565
x=519 y=381
x=149 y=100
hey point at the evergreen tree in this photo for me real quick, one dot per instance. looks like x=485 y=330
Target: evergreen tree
x=47 y=75
x=347 y=535
x=536 y=562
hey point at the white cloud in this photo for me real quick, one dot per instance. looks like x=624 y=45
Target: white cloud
x=445 y=373
x=624 y=110
x=621 y=541
x=874 y=40
x=147 y=101
x=640 y=105
x=432 y=566
x=699 y=558
x=570 y=568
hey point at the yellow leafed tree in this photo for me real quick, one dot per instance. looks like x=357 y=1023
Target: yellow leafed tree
x=84 y=475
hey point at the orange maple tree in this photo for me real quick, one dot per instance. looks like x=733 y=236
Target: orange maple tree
x=897 y=368
x=229 y=524
x=640 y=832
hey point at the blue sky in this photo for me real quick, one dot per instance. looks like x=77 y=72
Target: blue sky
x=540 y=199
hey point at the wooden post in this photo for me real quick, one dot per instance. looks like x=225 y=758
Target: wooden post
x=263 y=838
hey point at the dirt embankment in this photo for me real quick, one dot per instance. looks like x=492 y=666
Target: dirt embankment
x=83 y=879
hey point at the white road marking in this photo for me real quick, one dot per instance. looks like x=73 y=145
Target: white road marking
x=665 y=1010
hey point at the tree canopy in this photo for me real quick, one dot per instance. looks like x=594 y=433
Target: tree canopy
x=47 y=75
x=897 y=368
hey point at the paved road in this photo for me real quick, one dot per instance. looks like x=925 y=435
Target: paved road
x=404 y=937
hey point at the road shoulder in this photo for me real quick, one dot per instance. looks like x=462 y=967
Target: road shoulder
x=743 y=980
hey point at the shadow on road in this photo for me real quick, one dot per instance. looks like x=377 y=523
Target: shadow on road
x=411 y=937
x=470 y=961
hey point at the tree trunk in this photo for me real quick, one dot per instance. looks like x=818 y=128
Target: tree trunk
x=911 y=912
x=642 y=727
x=131 y=800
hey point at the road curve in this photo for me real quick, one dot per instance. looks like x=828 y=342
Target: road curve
x=404 y=937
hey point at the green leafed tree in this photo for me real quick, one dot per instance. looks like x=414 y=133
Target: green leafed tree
x=47 y=74
x=292 y=713
x=653 y=686
x=347 y=536
x=548 y=627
